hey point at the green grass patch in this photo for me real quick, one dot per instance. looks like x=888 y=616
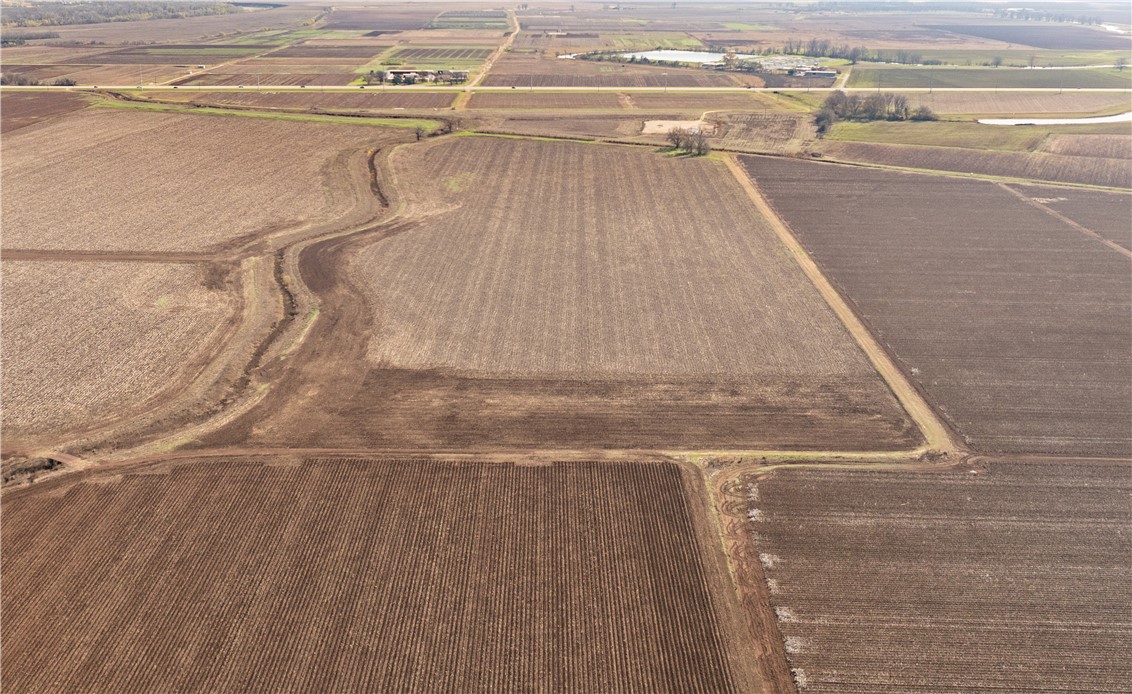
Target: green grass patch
x=896 y=77
x=963 y=134
x=428 y=125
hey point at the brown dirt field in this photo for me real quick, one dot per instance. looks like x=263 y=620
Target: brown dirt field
x=359 y=54
x=1104 y=213
x=676 y=320
x=1043 y=36
x=236 y=180
x=564 y=126
x=271 y=76
x=83 y=341
x=369 y=575
x=763 y=132
x=647 y=101
x=1018 y=103
x=1013 y=322
x=361 y=100
x=993 y=577
x=539 y=70
x=543 y=100
x=39 y=54
x=1041 y=166
x=700 y=101
x=21 y=109
x=1104 y=146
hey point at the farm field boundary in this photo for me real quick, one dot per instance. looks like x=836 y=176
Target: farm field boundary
x=937 y=435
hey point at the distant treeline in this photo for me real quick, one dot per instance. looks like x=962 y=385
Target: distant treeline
x=15 y=80
x=9 y=39
x=874 y=106
x=59 y=13
x=824 y=48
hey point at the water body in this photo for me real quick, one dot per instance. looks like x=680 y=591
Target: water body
x=1120 y=118
x=682 y=56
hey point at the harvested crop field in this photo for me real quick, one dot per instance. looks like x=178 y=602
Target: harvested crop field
x=85 y=341
x=1104 y=213
x=559 y=295
x=999 y=577
x=351 y=53
x=369 y=575
x=538 y=70
x=1019 y=103
x=234 y=180
x=1079 y=145
x=1040 y=166
x=21 y=109
x=544 y=100
x=272 y=76
x=565 y=126
x=1015 y=323
x=763 y=132
x=887 y=77
x=359 y=100
x=1052 y=37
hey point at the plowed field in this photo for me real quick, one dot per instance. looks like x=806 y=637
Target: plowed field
x=546 y=294
x=369 y=575
x=1014 y=322
x=21 y=109
x=539 y=70
x=232 y=180
x=1008 y=577
x=1040 y=166
x=1107 y=214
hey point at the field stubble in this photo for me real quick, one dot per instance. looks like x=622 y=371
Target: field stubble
x=1002 y=576
x=561 y=295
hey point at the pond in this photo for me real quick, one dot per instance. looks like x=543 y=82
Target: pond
x=1119 y=118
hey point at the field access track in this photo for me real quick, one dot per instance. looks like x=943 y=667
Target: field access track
x=368 y=575
x=1015 y=322
x=1006 y=577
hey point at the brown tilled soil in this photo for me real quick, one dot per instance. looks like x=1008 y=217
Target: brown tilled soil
x=1001 y=577
x=1107 y=214
x=21 y=109
x=394 y=359
x=1015 y=322
x=370 y=575
x=1041 y=166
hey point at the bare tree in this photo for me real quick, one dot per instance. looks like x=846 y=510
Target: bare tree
x=699 y=144
x=676 y=137
x=419 y=132
x=1120 y=63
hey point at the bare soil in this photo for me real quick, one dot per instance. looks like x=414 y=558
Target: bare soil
x=362 y=575
x=1014 y=322
x=401 y=360
x=1000 y=576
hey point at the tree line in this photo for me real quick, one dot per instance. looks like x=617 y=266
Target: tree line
x=875 y=106
x=95 y=11
x=10 y=79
